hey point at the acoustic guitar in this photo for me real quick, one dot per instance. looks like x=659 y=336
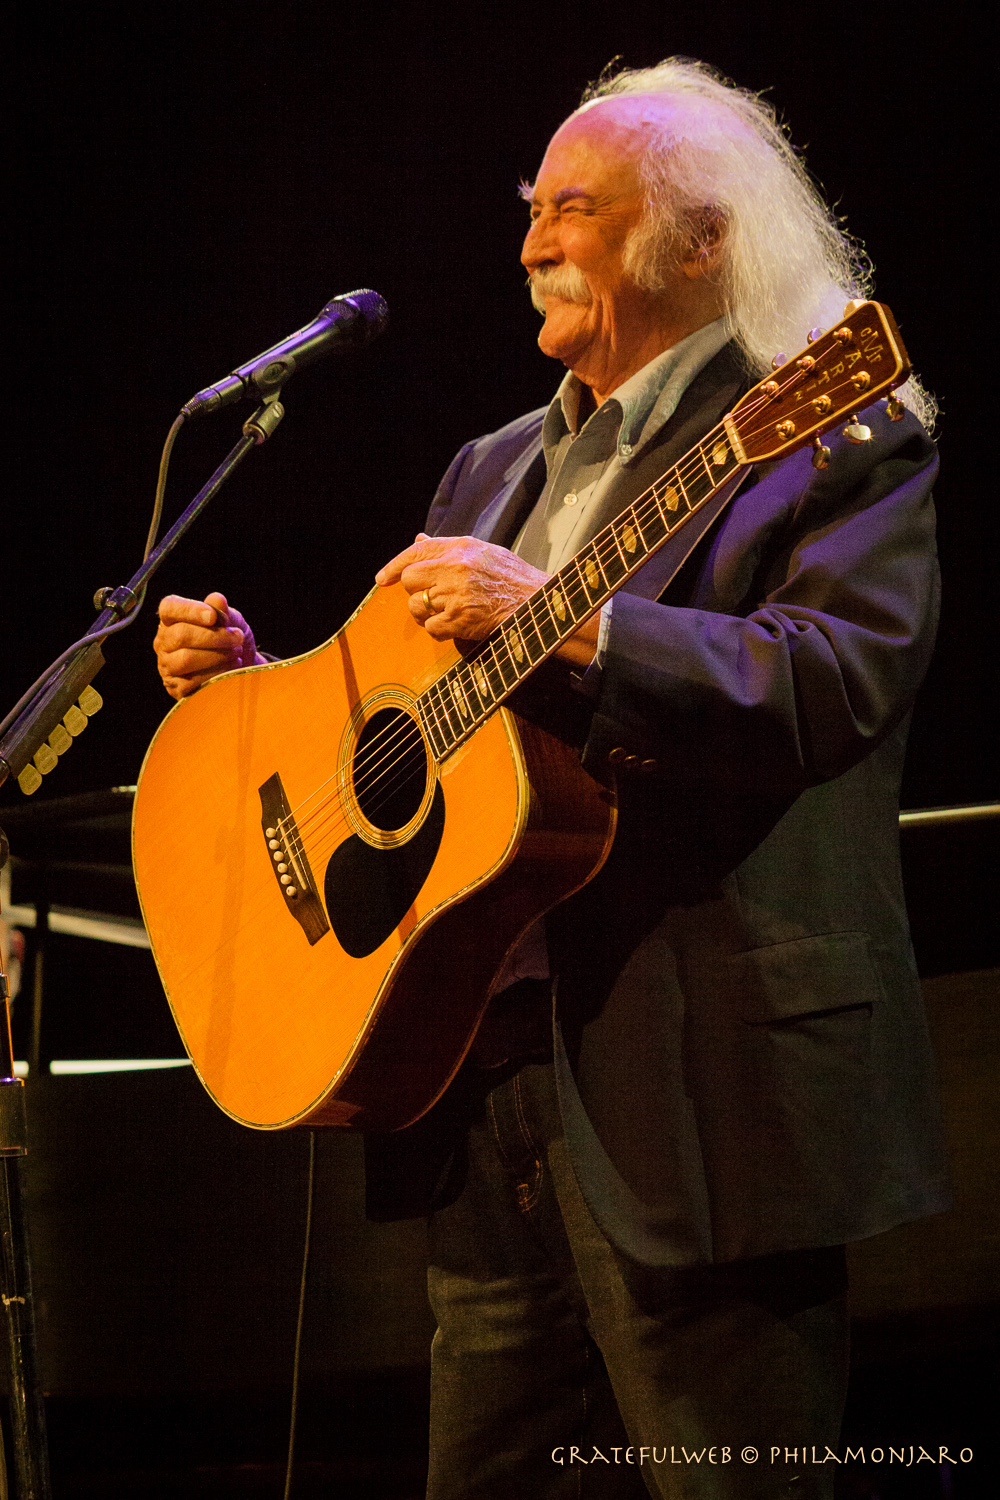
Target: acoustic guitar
x=336 y=853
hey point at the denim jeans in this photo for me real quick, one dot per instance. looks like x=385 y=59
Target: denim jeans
x=560 y=1368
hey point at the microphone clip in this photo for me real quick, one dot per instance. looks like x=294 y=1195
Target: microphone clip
x=265 y=419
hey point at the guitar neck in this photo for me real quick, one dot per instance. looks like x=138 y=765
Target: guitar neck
x=454 y=706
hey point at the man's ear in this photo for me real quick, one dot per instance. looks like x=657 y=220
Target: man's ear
x=705 y=241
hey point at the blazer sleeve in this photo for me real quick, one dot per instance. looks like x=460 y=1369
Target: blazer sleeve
x=807 y=630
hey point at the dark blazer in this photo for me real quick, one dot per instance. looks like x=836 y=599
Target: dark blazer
x=741 y=1051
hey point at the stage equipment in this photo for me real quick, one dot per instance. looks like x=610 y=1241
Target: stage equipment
x=27 y=1410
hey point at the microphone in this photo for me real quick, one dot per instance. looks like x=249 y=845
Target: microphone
x=349 y=321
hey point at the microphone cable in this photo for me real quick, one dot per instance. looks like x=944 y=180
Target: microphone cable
x=95 y=637
x=300 y=1321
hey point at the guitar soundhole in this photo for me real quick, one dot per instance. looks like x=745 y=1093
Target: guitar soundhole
x=389 y=770
x=372 y=879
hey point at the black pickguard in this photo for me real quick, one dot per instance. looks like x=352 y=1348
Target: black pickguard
x=369 y=891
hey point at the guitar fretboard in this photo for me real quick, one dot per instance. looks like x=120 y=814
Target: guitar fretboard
x=454 y=706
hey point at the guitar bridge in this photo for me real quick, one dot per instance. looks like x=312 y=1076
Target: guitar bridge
x=287 y=859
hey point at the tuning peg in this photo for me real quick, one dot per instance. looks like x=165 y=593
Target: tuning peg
x=778 y=361
x=821 y=455
x=894 y=409
x=857 y=432
x=853 y=305
x=813 y=335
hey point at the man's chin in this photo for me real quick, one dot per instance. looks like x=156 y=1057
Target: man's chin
x=564 y=331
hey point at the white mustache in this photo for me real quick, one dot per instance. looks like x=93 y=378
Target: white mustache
x=565 y=281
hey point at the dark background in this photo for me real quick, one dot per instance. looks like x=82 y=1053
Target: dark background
x=193 y=182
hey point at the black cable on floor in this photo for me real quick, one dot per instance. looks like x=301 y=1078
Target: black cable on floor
x=290 y=1466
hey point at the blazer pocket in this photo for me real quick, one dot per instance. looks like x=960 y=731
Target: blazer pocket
x=791 y=1097
x=829 y=974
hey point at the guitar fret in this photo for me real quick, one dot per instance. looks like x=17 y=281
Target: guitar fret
x=457 y=690
x=560 y=603
x=671 y=499
x=503 y=666
x=430 y=725
x=590 y=577
x=610 y=556
x=699 y=488
x=448 y=728
x=721 y=453
x=445 y=707
x=517 y=656
x=480 y=681
x=535 y=644
x=631 y=535
x=464 y=677
x=572 y=593
x=427 y=716
x=494 y=676
x=676 y=497
x=613 y=532
x=654 y=525
x=523 y=639
x=548 y=628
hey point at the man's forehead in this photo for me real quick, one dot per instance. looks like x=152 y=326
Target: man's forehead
x=604 y=140
x=620 y=124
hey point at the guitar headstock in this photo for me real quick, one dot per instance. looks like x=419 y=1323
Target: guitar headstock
x=848 y=367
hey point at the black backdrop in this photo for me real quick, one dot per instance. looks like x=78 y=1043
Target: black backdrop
x=195 y=181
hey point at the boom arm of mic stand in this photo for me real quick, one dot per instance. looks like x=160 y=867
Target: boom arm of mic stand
x=25 y=751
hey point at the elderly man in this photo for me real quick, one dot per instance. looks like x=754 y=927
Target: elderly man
x=639 y=1203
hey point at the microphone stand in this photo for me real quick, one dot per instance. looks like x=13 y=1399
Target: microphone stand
x=27 y=1411
x=25 y=749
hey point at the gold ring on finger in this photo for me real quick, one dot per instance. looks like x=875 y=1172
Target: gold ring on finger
x=427 y=603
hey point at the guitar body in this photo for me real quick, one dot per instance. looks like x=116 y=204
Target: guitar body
x=335 y=972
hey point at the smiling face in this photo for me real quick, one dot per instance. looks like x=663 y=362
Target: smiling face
x=586 y=201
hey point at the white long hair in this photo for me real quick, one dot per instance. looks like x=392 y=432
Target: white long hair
x=721 y=172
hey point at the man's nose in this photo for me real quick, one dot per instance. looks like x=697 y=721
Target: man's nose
x=541 y=245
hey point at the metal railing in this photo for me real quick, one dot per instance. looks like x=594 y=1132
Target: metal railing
x=931 y=817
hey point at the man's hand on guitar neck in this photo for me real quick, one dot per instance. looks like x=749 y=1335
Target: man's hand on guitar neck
x=461 y=589
x=197 y=639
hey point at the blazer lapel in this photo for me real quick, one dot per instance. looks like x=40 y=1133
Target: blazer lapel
x=507 y=512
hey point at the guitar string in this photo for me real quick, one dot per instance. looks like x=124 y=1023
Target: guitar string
x=605 y=548
x=601 y=546
x=696 y=461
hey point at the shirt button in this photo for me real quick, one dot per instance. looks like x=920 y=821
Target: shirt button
x=626 y=450
x=571 y=498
